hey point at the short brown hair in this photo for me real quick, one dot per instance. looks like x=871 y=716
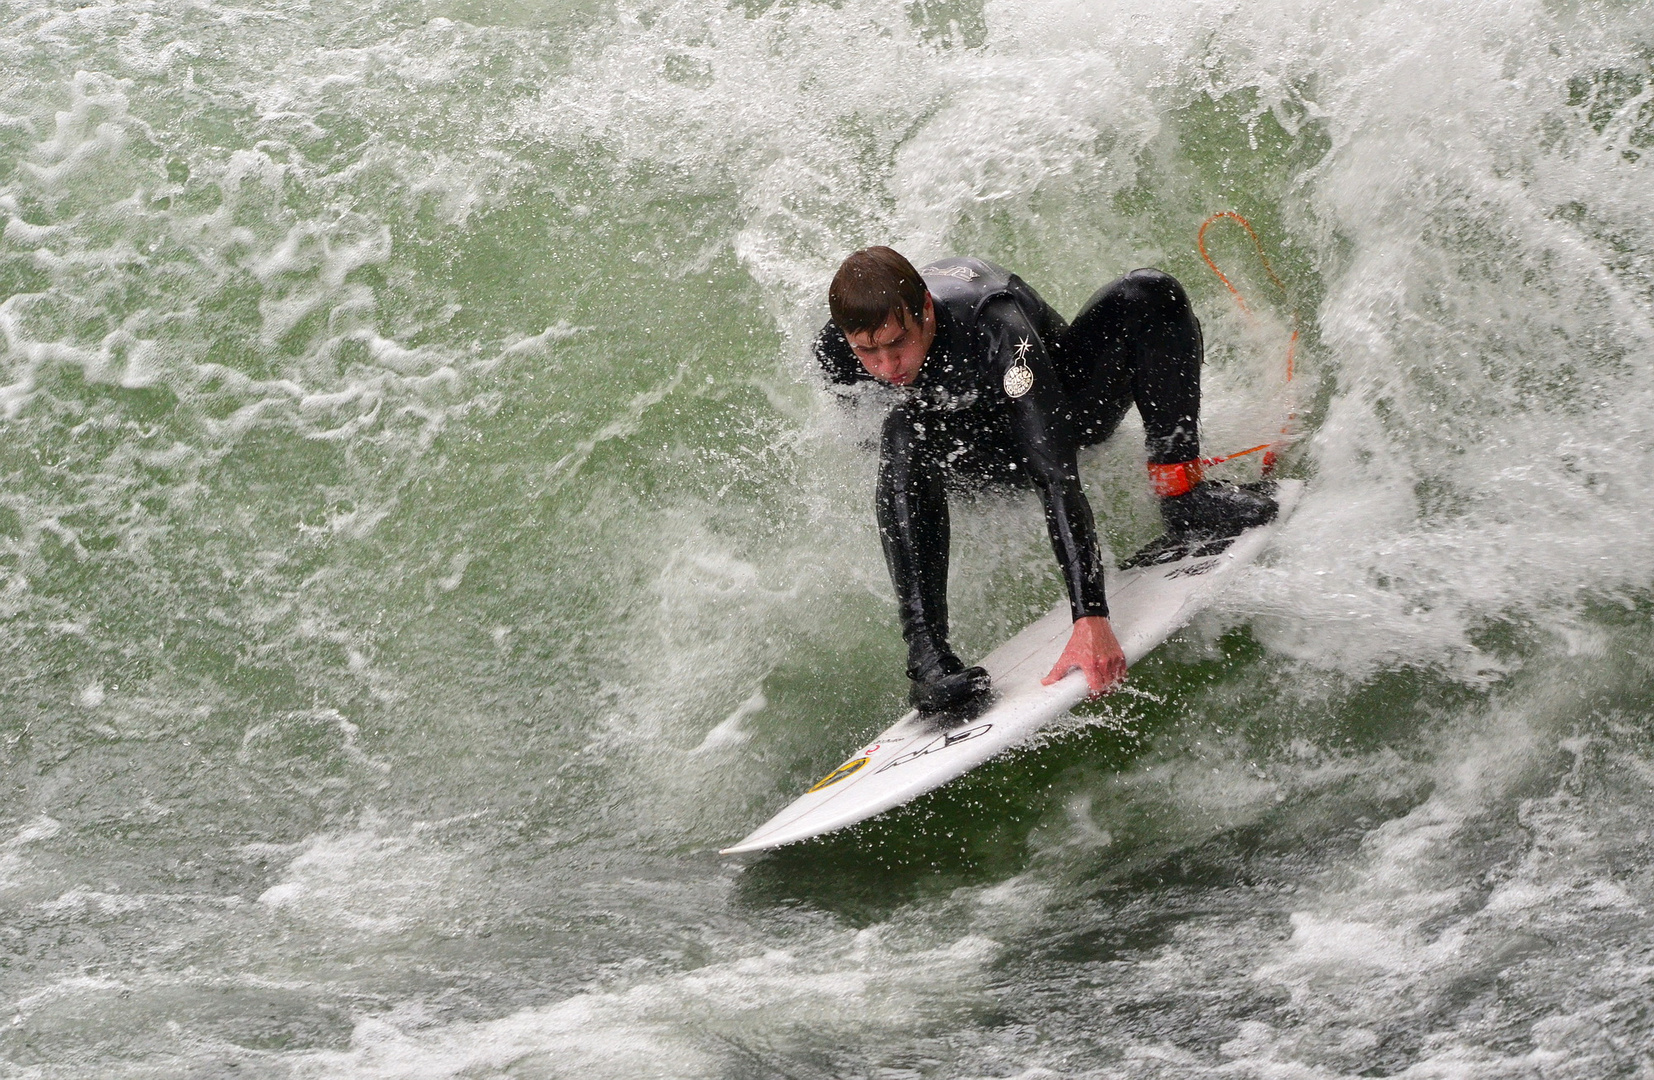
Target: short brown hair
x=872 y=285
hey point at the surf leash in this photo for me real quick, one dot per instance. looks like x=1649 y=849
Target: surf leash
x=1270 y=450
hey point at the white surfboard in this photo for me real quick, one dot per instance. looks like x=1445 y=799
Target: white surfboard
x=917 y=754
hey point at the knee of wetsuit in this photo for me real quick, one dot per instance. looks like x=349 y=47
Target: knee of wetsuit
x=1155 y=287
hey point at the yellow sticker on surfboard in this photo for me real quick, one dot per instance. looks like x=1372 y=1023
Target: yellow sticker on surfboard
x=849 y=768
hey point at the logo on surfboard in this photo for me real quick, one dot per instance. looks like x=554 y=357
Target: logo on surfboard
x=952 y=738
x=849 y=768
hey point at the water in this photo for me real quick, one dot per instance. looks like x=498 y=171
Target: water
x=422 y=544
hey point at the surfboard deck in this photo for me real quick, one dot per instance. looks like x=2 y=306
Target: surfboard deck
x=1156 y=592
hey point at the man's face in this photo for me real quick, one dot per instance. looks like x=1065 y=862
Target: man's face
x=894 y=351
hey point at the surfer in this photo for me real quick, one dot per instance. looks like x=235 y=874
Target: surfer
x=997 y=388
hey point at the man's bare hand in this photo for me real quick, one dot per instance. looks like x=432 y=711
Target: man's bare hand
x=1095 y=650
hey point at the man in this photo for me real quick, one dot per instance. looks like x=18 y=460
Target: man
x=998 y=388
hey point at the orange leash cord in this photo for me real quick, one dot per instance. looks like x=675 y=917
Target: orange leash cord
x=1269 y=449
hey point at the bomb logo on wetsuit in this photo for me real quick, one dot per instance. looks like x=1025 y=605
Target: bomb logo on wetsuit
x=1019 y=378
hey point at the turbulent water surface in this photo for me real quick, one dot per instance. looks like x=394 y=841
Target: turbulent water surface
x=423 y=542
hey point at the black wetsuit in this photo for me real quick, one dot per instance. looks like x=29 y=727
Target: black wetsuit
x=958 y=426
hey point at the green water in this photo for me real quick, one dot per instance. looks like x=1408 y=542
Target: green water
x=423 y=543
